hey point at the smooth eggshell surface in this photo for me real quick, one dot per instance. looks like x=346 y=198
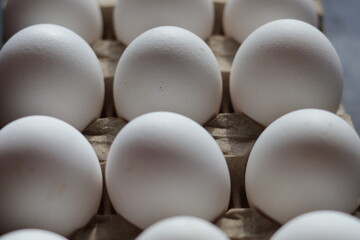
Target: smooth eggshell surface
x=163 y=164
x=327 y=225
x=32 y=234
x=242 y=17
x=305 y=161
x=168 y=69
x=49 y=70
x=50 y=177
x=182 y=228
x=131 y=18
x=284 y=66
x=81 y=16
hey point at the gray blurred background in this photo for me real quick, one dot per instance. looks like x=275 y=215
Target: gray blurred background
x=342 y=26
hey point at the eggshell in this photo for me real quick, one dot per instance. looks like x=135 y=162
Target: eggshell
x=182 y=228
x=242 y=17
x=131 y=18
x=81 y=16
x=163 y=164
x=32 y=234
x=50 y=177
x=49 y=70
x=168 y=69
x=284 y=66
x=329 y=225
x=305 y=161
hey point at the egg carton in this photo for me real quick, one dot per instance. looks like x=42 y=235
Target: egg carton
x=235 y=134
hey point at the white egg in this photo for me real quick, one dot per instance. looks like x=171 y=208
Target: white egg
x=49 y=70
x=131 y=18
x=327 y=225
x=284 y=66
x=50 y=177
x=163 y=164
x=242 y=17
x=168 y=69
x=182 y=228
x=32 y=234
x=305 y=161
x=81 y=16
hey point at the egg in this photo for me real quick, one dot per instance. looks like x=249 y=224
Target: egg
x=163 y=164
x=329 y=225
x=305 y=161
x=182 y=228
x=81 y=16
x=131 y=18
x=32 y=234
x=284 y=66
x=168 y=69
x=49 y=70
x=242 y=17
x=50 y=177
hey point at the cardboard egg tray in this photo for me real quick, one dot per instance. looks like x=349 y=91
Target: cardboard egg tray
x=235 y=134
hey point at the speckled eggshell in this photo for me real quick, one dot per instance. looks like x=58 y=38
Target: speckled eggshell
x=131 y=18
x=32 y=234
x=162 y=165
x=47 y=69
x=168 y=69
x=50 y=177
x=284 y=66
x=81 y=16
x=242 y=17
x=305 y=161
x=329 y=225
x=182 y=228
